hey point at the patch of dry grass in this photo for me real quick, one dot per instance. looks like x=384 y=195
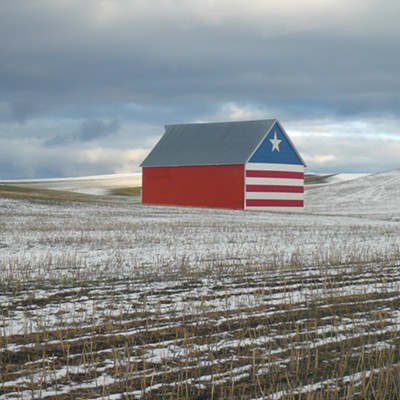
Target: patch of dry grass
x=127 y=191
x=221 y=338
x=33 y=193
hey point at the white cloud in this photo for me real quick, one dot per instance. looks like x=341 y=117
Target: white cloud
x=368 y=145
x=118 y=157
x=235 y=112
x=320 y=159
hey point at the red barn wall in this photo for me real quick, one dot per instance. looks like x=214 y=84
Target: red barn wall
x=220 y=186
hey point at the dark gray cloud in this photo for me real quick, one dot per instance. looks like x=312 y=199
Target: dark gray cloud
x=22 y=110
x=81 y=71
x=19 y=111
x=91 y=130
x=88 y=131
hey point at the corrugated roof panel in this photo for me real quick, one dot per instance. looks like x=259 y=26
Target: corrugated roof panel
x=220 y=143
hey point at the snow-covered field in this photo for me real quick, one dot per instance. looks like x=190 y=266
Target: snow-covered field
x=108 y=299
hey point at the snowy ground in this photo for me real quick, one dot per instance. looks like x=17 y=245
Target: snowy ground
x=110 y=299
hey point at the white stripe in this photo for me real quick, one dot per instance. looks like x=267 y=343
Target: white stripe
x=274 y=196
x=274 y=181
x=277 y=209
x=274 y=167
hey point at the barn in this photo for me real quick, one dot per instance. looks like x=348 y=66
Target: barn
x=250 y=165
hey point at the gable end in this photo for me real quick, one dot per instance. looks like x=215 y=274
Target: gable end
x=276 y=148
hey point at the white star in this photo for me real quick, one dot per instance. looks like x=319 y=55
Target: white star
x=275 y=143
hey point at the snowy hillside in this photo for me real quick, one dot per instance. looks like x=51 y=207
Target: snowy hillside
x=373 y=195
x=313 y=180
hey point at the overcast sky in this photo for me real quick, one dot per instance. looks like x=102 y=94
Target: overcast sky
x=86 y=86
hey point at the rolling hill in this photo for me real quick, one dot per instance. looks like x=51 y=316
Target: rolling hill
x=373 y=195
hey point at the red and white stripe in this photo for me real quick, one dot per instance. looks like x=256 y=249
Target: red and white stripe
x=274 y=187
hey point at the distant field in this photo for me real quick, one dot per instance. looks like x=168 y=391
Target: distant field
x=103 y=298
x=95 y=185
x=32 y=192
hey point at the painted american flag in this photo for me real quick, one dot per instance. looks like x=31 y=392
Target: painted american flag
x=277 y=185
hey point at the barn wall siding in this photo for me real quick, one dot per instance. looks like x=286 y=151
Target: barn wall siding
x=219 y=186
x=274 y=187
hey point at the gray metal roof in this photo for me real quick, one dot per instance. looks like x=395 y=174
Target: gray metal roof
x=221 y=143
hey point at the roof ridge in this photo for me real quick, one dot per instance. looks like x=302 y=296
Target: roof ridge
x=221 y=122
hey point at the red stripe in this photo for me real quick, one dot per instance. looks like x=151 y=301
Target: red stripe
x=274 y=203
x=274 y=174
x=274 y=188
